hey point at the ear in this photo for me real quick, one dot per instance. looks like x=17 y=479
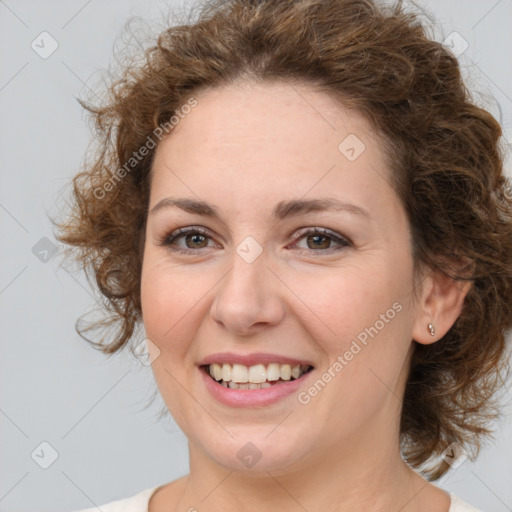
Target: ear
x=440 y=303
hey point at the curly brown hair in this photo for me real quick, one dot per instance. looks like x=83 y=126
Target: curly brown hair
x=444 y=151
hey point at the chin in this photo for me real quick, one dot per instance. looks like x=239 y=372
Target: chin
x=256 y=451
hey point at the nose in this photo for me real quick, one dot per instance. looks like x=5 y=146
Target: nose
x=248 y=298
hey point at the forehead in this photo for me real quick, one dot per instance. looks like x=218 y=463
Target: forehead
x=275 y=112
x=268 y=139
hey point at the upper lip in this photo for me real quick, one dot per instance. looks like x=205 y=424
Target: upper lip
x=251 y=359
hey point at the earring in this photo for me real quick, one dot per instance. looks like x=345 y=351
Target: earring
x=431 y=329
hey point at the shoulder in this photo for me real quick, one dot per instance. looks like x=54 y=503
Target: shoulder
x=458 y=505
x=135 y=503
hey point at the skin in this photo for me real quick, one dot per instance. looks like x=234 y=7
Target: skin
x=244 y=148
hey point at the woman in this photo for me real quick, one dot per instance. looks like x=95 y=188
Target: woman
x=307 y=214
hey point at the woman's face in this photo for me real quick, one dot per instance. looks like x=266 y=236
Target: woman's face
x=277 y=275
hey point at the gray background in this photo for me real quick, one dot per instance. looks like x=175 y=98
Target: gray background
x=54 y=387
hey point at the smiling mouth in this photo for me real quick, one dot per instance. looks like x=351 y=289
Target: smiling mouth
x=259 y=376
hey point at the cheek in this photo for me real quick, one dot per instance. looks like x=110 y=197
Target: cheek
x=170 y=300
x=362 y=323
x=171 y=308
x=347 y=301
x=366 y=362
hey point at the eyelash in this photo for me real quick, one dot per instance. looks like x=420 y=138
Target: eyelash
x=169 y=239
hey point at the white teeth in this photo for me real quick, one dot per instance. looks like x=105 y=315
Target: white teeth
x=239 y=373
x=273 y=372
x=226 y=372
x=286 y=372
x=254 y=377
x=257 y=374
x=245 y=385
x=216 y=371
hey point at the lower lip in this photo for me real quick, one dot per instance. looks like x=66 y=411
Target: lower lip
x=252 y=397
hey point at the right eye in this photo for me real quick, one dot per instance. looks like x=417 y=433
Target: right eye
x=194 y=238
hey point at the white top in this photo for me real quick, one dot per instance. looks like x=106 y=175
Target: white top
x=139 y=503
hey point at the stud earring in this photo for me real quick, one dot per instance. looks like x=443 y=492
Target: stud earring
x=431 y=329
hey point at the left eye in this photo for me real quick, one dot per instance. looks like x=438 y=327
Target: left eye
x=322 y=239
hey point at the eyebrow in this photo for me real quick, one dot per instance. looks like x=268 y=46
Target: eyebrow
x=282 y=210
